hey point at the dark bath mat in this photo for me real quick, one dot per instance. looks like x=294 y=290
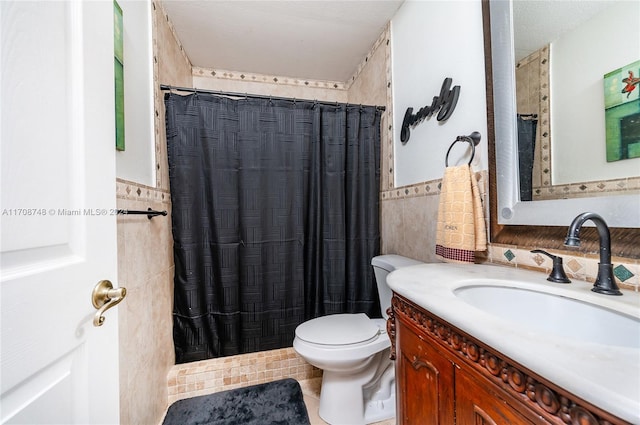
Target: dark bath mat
x=273 y=403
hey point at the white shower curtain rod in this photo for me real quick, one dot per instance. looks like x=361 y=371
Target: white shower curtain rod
x=257 y=96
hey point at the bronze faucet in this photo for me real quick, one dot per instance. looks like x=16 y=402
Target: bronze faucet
x=605 y=282
x=557 y=274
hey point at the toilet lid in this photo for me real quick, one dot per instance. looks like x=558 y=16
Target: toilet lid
x=338 y=329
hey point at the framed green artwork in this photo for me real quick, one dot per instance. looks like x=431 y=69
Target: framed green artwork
x=118 y=60
x=622 y=112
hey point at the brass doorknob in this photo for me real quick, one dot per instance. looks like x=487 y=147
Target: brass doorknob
x=103 y=297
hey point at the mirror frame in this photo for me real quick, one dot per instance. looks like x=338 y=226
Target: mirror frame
x=626 y=240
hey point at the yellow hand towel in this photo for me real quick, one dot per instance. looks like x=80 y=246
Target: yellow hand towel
x=461 y=228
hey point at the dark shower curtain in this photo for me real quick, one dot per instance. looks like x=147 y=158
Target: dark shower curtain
x=274 y=217
x=526 y=149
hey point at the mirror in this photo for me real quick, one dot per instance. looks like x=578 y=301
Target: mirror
x=537 y=223
x=562 y=50
x=619 y=210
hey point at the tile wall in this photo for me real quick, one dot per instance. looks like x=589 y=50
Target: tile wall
x=581 y=266
x=145 y=268
x=532 y=96
x=145 y=259
x=225 y=373
x=371 y=85
x=171 y=66
x=409 y=214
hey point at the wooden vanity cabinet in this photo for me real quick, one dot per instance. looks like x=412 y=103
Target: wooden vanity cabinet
x=427 y=390
x=483 y=403
x=446 y=377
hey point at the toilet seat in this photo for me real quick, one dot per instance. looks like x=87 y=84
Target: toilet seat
x=339 y=330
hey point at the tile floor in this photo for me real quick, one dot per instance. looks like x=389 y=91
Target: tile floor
x=311 y=392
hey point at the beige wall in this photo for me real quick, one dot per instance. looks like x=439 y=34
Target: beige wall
x=368 y=86
x=268 y=85
x=371 y=85
x=171 y=67
x=145 y=259
x=409 y=214
x=145 y=268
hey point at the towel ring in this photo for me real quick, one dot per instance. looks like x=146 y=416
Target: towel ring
x=473 y=139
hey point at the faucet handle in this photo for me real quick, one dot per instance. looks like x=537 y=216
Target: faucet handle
x=557 y=272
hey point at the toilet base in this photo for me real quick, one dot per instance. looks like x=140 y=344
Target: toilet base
x=342 y=396
x=348 y=411
x=380 y=410
x=381 y=396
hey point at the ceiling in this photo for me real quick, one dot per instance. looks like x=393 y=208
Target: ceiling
x=312 y=39
x=538 y=22
x=327 y=39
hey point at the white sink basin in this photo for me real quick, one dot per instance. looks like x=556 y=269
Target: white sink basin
x=554 y=314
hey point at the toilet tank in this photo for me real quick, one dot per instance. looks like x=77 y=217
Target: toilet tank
x=382 y=266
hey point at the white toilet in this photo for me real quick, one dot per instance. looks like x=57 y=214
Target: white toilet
x=358 y=383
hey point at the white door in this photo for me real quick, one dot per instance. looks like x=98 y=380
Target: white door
x=57 y=213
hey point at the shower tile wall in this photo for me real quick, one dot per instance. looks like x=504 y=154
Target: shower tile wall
x=369 y=88
x=171 y=66
x=145 y=259
x=225 y=373
x=532 y=96
x=145 y=268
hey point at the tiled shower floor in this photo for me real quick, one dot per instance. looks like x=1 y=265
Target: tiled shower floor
x=311 y=392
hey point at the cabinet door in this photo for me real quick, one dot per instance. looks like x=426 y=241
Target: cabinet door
x=481 y=404
x=424 y=378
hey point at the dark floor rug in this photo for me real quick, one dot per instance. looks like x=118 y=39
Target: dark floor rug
x=273 y=403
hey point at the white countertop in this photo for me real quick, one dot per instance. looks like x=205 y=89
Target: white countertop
x=605 y=375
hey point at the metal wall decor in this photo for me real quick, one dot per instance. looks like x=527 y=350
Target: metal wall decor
x=443 y=105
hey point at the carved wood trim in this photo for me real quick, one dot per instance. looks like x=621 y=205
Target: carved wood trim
x=482 y=417
x=542 y=397
x=417 y=363
x=391 y=331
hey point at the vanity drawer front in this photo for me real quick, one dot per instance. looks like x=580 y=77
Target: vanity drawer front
x=481 y=402
x=424 y=379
